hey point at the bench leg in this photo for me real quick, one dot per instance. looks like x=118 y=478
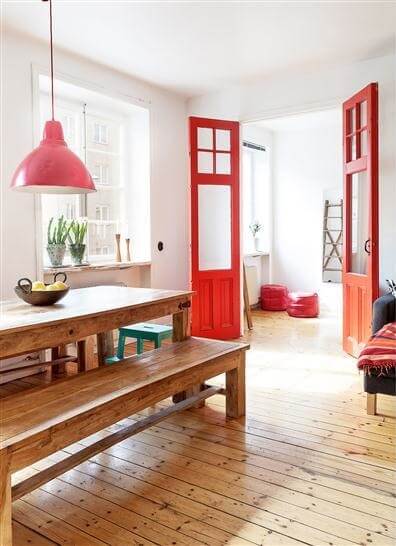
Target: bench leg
x=183 y=395
x=235 y=389
x=5 y=502
x=371 y=404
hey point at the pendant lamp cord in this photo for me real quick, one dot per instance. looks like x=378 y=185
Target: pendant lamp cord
x=52 y=57
x=52 y=62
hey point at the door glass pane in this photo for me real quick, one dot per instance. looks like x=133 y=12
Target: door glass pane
x=360 y=221
x=363 y=113
x=223 y=163
x=205 y=162
x=214 y=227
x=363 y=143
x=223 y=141
x=353 y=147
x=205 y=138
x=352 y=120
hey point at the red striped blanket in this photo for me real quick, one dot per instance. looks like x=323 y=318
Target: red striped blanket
x=379 y=354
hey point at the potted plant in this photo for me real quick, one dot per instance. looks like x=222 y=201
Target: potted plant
x=76 y=236
x=255 y=228
x=56 y=240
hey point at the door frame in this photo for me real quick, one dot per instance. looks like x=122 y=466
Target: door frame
x=295 y=109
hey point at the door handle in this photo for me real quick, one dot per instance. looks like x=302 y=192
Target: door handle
x=367 y=246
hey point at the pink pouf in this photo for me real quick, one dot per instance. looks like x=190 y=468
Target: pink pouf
x=274 y=297
x=303 y=304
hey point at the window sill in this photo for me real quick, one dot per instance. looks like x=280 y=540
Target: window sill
x=255 y=254
x=107 y=266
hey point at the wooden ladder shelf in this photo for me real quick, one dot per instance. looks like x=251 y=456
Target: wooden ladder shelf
x=332 y=237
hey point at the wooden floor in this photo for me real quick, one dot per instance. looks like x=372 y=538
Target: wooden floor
x=307 y=465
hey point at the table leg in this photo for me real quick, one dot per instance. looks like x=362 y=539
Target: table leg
x=181 y=331
x=86 y=354
x=105 y=343
x=5 y=501
x=235 y=389
x=58 y=352
x=181 y=324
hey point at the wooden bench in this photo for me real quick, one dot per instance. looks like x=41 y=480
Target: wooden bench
x=43 y=420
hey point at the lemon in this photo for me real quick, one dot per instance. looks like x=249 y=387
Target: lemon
x=52 y=287
x=60 y=285
x=38 y=286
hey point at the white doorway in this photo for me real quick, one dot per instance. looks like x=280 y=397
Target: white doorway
x=304 y=158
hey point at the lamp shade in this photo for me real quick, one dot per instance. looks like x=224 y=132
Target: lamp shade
x=52 y=167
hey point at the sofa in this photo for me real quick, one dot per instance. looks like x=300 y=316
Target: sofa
x=384 y=312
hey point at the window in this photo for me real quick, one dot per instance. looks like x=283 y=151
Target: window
x=100 y=134
x=102 y=212
x=112 y=138
x=69 y=128
x=100 y=173
x=256 y=197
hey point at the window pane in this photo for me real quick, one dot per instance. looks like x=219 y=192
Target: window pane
x=102 y=134
x=56 y=206
x=104 y=168
x=360 y=222
x=101 y=238
x=104 y=205
x=205 y=162
x=363 y=113
x=205 y=138
x=352 y=120
x=363 y=143
x=353 y=147
x=214 y=227
x=223 y=163
x=223 y=141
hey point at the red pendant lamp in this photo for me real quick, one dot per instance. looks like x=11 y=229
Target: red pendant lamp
x=52 y=167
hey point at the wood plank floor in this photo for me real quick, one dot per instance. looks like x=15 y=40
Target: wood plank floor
x=306 y=466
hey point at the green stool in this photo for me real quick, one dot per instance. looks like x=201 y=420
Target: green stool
x=142 y=331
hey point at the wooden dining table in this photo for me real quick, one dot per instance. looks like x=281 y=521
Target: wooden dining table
x=85 y=312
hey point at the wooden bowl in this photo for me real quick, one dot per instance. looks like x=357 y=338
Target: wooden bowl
x=40 y=297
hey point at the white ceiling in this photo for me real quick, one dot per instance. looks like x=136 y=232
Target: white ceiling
x=320 y=119
x=196 y=47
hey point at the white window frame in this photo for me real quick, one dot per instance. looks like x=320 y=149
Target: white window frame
x=135 y=102
x=82 y=211
x=256 y=207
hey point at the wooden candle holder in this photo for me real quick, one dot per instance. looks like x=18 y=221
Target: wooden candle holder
x=118 y=247
x=127 y=243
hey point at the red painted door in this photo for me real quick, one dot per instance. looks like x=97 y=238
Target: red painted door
x=215 y=242
x=360 y=260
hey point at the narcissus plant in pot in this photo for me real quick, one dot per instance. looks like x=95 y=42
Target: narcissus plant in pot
x=77 y=233
x=56 y=240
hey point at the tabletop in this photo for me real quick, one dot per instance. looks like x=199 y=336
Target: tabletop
x=16 y=315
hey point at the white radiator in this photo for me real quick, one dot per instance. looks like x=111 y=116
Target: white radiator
x=253 y=283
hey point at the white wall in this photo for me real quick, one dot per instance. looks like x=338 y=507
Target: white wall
x=169 y=188
x=327 y=85
x=306 y=163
